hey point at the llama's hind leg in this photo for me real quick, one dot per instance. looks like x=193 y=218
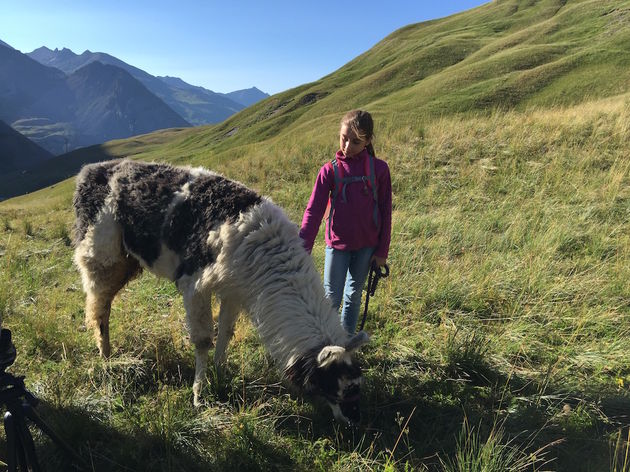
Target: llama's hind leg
x=97 y=311
x=228 y=314
x=105 y=269
x=101 y=284
x=198 y=304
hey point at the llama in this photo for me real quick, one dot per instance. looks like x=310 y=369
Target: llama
x=209 y=234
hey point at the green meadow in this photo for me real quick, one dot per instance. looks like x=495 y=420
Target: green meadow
x=500 y=342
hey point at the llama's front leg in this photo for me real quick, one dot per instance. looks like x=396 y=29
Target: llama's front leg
x=228 y=314
x=201 y=364
x=199 y=319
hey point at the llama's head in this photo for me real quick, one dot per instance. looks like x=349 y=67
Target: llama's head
x=332 y=372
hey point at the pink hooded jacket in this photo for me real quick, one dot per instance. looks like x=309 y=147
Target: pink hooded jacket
x=353 y=223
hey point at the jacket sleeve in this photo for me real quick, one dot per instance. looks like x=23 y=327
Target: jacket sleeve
x=385 y=211
x=315 y=209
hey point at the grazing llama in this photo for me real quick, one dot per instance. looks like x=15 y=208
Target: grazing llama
x=210 y=234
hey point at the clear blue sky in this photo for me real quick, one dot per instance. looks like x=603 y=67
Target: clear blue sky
x=221 y=45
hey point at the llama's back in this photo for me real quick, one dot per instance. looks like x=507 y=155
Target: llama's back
x=158 y=206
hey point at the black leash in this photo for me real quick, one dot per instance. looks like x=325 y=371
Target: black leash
x=376 y=273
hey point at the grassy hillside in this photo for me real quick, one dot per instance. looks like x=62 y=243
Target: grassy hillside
x=500 y=342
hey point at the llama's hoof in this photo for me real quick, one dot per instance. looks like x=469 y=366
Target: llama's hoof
x=105 y=354
x=197 y=401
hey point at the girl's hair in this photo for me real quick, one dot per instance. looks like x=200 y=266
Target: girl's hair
x=361 y=124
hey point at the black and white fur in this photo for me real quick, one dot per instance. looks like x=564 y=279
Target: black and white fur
x=210 y=234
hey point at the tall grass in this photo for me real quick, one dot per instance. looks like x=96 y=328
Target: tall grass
x=621 y=453
x=508 y=305
x=493 y=453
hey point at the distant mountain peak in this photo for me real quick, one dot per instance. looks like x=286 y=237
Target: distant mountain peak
x=65 y=52
x=2 y=43
x=247 y=97
x=174 y=81
x=51 y=57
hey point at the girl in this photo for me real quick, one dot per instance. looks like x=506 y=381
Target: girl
x=356 y=188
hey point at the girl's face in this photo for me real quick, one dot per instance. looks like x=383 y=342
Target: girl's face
x=349 y=143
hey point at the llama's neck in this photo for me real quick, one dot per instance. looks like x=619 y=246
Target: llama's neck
x=280 y=287
x=294 y=316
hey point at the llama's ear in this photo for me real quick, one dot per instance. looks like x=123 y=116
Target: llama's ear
x=357 y=341
x=330 y=354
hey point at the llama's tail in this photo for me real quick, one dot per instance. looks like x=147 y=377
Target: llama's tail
x=92 y=188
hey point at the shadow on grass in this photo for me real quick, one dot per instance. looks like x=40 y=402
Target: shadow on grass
x=105 y=448
x=413 y=412
x=101 y=447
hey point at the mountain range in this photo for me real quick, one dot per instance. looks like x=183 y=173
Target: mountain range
x=63 y=101
x=196 y=105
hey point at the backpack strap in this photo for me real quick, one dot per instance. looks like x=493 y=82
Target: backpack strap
x=339 y=176
x=371 y=173
x=338 y=173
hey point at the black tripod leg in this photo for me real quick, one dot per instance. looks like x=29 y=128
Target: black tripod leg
x=28 y=446
x=20 y=451
x=9 y=429
x=32 y=415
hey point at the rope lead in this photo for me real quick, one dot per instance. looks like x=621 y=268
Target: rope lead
x=376 y=273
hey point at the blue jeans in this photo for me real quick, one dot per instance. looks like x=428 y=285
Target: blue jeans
x=344 y=276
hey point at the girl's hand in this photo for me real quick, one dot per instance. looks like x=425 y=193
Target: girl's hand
x=379 y=261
